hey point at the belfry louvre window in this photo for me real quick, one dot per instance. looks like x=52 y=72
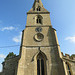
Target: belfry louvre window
x=68 y=69
x=39 y=20
x=39 y=9
x=40 y=65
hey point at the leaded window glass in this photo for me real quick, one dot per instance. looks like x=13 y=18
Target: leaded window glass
x=40 y=65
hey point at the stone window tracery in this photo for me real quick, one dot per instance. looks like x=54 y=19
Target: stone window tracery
x=40 y=65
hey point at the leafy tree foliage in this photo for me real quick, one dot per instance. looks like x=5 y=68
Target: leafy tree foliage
x=73 y=55
x=10 y=55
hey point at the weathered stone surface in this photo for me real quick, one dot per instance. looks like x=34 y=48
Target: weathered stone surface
x=45 y=45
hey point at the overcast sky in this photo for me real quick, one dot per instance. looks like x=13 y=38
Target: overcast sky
x=13 y=20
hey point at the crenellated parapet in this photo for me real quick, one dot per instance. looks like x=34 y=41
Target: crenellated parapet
x=67 y=56
x=69 y=63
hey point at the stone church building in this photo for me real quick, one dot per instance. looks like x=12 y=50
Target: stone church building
x=40 y=52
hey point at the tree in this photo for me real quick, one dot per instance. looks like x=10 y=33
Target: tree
x=10 y=55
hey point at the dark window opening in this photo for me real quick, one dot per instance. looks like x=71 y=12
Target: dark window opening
x=38 y=9
x=39 y=21
x=40 y=66
x=69 y=73
x=68 y=69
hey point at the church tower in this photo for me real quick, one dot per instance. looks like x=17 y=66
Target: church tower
x=40 y=51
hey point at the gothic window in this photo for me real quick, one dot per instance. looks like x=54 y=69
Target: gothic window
x=38 y=9
x=39 y=19
x=40 y=65
x=68 y=69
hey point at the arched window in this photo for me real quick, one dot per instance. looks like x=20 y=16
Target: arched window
x=40 y=65
x=68 y=69
x=39 y=8
x=39 y=19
